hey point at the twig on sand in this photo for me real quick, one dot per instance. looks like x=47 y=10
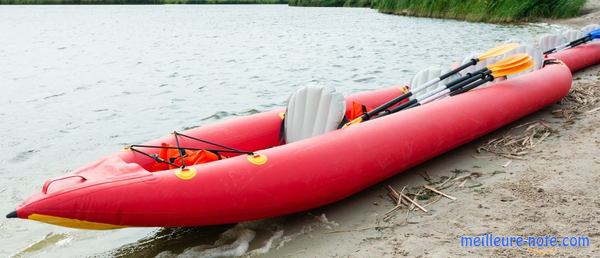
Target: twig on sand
x=507 y=164
x=593 y=110
x=439 y=192
x=397 y=197
x=469 y=176
x=361 y=229
x=412 y=206
x=414 y=202
x=515 y=144
x=579 y=99
x=441 y=186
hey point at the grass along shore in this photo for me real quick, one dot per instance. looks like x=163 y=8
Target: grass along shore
x=471 y=10
x=489 y=11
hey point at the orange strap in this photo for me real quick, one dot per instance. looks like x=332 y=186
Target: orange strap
x=190 y=158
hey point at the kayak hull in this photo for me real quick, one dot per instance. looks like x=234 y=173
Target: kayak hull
x=119 y=190
x=580 y=57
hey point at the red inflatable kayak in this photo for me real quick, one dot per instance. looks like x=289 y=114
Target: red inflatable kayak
x=120 y=191
x=580 y=57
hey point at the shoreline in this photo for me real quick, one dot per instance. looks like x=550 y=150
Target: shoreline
x=449 y=10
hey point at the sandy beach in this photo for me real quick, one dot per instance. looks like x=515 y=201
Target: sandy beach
x=547 y=186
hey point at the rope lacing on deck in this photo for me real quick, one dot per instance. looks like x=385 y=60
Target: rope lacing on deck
x=183 y=149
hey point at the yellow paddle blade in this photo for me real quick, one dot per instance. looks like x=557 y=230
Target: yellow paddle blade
x=523 y=66
x=499 y=50
x=508 y=62
x=357 y=120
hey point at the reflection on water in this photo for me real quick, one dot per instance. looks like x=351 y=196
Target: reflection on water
x=79 y=82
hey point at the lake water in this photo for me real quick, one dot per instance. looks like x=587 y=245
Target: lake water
x=80 y=82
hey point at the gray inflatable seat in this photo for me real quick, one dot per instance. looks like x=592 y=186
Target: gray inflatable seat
x=550 y=41
x=573 y=35
x=427 y=75
x=311 y=111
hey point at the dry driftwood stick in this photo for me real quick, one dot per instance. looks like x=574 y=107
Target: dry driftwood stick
x=400 y=201
x=469 y=176
x=412 y=206
x=593 y=110
x=445 y=181
x=402 y=191
x=414 y=202
x=394 y=194
x=438 y=192
x=388 y=213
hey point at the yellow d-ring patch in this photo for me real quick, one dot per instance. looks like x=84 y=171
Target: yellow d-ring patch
x=186 y=173
x=257 y=159
x=282 y=115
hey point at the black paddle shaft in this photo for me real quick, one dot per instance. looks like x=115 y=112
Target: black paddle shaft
x=573 y=43
x=489 y=78
x=400 y=107
x=476 y=77
x=455 y=87
x=415 y=102
x=473 y=61
x=466 y=77
x=368 y=115
x=385 y=106
x=580 y=41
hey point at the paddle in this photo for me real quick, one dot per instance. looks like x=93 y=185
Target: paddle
x=496 y=51
x=511 y=65
x=595 y=34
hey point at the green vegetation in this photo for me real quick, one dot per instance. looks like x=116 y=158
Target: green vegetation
x=484 y=10
x=143 y=1
x=472 y=10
